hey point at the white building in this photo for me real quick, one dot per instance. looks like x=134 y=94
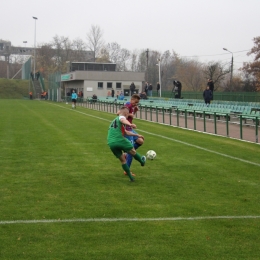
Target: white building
x=99 y=78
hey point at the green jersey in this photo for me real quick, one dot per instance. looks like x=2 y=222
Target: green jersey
x=116 y=131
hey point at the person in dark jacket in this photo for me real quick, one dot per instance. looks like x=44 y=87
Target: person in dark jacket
x=207 y=95
x=146 y=88
x=211 y=86
x=150 y=90
x=158 y=89
x=177 y=88
x=132 y=88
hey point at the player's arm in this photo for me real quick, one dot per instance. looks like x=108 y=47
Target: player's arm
x=124 y=121
x=133 y=134
x=131 y=115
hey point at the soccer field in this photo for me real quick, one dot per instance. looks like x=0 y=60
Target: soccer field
x=64 y=195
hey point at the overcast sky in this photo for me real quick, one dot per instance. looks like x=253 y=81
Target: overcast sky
x=189 y=27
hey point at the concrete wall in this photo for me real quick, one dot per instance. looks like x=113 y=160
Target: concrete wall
x=88 y=82
x=108 y=75
x=91 y=87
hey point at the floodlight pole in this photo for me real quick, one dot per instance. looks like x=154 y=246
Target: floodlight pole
x=147 y=57
x=35 y=18
x=232 y=62
x=159 y=64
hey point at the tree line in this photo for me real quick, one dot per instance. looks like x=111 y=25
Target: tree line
x=52 y=57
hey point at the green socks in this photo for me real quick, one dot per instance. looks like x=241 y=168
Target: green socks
x=138 y=157
x=127 y=170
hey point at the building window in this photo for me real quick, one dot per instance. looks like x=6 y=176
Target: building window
x=118 y=85
x=100 y=84
x=109 y=84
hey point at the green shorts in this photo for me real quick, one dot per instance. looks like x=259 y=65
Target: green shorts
x=117 y=147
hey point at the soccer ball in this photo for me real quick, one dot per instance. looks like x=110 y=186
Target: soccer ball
x=150 y=154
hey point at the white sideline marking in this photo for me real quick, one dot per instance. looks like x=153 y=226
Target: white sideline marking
x=122 y=219
x=177 y=141
x=204 y=149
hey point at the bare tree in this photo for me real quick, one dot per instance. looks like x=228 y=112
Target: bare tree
x=253 y=68
x=249 y=83
x=45 y=60
x=113 y=50
x=153 y=69
x=124 y=58
x=215 y=71
x=141 y=63
x=79 y=50
x=95 y=41
x=189 y=72
x=103 y=56
x=133 y=60
x=168 y=68
x=115 y=54
x=63 y=49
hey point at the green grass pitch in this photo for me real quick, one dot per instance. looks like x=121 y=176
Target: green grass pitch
x=63 y=194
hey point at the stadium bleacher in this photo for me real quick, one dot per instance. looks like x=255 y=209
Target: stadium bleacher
x=225 y=109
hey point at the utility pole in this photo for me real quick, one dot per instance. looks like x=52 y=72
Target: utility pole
x=147 y=57
x=232 y=62
x=159 y=65
x=231 y=76
x=35 y=18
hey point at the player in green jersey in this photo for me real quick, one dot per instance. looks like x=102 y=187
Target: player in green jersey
x=119 y=144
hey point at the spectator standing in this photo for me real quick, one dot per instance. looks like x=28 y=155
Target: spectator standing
x=30 y=94
x=158 y=89
x=211 y=86
x=112 y=93
x=207 y=95
x=74 y=97
x=150 y=90
x=37 y=75
x=146 y=88
x=132 y=89
x=177 y=88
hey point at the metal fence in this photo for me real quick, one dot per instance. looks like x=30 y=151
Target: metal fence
x=225 y=96
x=26 y=69
x=229 y=125
x=54 y=81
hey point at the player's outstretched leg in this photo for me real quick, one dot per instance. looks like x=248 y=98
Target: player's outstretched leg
x=140 y=159
x=136 y=145
x=129 y=159
x=127 y=170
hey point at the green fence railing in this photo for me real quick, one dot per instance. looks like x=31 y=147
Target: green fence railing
x=224 y=125
x=42 y=82
x=225 y=96
x=54 y=84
